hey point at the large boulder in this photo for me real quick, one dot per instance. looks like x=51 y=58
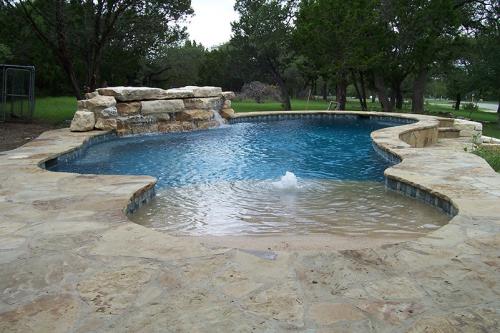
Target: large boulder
x=227 y=113
x=210 y=103
x=106 y=124
x=228 y=95
x=128 y=109
x=83 y=121
x=96 y=104
x=177 y=93
x=202 y=92
x=468 y=128
x=207 y=124
x=110 y=112
x=194 y=115
x=125 y=94
x=176 y=126
x=162 y=106
x=194 y=92
x=136 y=125
x=91 y=95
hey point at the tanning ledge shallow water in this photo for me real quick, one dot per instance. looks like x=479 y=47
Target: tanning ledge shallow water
x=349 y=208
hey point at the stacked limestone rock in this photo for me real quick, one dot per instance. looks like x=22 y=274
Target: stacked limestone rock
x=135 y=110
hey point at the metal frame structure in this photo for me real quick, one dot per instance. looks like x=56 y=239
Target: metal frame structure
x=17 y=88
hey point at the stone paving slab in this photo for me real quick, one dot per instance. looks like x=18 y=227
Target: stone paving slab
x=71 y=261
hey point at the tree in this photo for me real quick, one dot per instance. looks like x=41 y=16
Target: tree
x=173 y=66
x=263 y=34
x=485 y=62
x=424 y=34
x=338 y=37
x=485 y=66
x=458 y=81
x=478 y=68
x=5 y=53
x=78 y=33
x=225 y=67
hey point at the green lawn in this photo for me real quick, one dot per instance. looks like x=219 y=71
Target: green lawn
x=299 y=104
x=492 y=157
x=56 y=110
x=492 y=130
x=489 y=119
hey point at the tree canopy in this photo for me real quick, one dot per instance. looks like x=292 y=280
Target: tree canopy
x=391 y=49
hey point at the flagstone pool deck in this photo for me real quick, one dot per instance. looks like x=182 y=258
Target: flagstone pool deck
x=71 y=261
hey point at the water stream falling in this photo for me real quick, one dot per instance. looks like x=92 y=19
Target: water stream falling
x=218 y=118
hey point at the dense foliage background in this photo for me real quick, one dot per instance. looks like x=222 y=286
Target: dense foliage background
x=398 y=50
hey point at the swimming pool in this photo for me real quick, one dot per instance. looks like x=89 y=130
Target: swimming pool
x=231 y=180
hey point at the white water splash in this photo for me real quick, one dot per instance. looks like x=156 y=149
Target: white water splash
x=287 y=182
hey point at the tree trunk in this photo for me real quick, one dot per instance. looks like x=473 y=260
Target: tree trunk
x=285 y=96
x=93 y=69
x=381 y=92
x=341 y=92
x=458 y=100
x=58 y=46
x=498 y=112
x=62 y=49
x=363 y=90
x=417 y=102
x=358 y=92
x=399 y=96
x=287 y=105
x=325 y=90
x=68 y=68
x=392 y=98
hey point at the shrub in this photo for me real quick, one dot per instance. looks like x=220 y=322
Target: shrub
x=259 y=92
x=491 y=156
x=471 y=107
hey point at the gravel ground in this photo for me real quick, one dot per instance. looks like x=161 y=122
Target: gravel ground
x=13 y=135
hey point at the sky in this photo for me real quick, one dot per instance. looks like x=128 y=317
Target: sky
x=211 y=23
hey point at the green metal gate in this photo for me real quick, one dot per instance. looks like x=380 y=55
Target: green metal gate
x=17 y=92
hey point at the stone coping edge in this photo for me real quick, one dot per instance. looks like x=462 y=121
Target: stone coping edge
x=139 y=198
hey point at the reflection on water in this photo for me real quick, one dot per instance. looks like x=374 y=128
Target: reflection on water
x=312 y=207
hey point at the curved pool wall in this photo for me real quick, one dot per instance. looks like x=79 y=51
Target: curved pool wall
x=409 y=134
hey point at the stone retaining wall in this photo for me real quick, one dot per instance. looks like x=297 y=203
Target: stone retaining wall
x=137 y=110
x=490 y=144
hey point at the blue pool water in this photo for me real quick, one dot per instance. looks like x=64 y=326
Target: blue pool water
x=311 y=149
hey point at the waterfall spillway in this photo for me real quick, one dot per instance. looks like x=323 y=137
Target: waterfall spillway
x=218 y=118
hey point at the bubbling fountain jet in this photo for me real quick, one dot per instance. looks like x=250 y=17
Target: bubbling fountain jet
x=287 y=182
